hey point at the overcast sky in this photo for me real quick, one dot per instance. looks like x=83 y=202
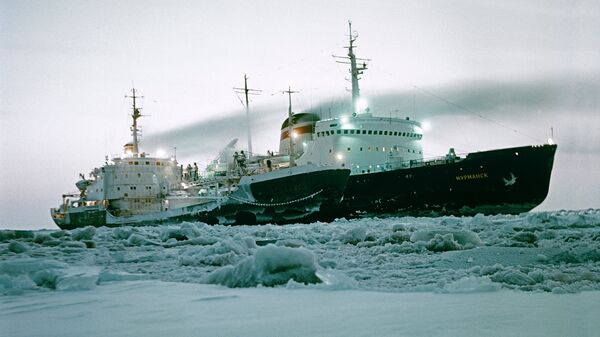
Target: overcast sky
x=65 y=67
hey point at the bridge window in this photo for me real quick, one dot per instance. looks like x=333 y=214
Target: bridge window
x=385 y=133
x=361 y=148
x=364 y=132
x=351 y=132
x=370 y=132
x=147 y=163
x=345 y=132
x=381 y=132
x=348 y=149
x=339 y=132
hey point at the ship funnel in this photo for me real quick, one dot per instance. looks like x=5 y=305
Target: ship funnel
x=129 y=149
x=302 y=132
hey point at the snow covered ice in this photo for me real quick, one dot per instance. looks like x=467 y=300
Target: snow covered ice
x=495 y=275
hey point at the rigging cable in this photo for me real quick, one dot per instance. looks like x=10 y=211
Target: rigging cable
x=476 y=114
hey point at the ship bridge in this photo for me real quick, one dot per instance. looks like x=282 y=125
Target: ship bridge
x=364 y=143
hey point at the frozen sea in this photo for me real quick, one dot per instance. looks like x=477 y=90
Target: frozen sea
x=534 y=274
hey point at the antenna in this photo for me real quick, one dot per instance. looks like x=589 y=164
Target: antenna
x=246 y=91
x=135 y=115
x=290 y=124
x=355 y=69
x=414 y=100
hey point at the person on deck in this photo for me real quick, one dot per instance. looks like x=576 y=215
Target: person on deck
x=195 y=172
x=188 y=172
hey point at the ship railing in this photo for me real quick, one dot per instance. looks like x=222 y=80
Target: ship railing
x=432 y=161
x=405 y=164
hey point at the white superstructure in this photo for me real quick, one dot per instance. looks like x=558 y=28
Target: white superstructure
x=132 y=183
x=365 y=143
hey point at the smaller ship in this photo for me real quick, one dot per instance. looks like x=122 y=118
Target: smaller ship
x=138 y=189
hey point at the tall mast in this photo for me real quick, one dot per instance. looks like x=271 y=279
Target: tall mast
x=247 y=92
x=134 y=127
x=290 y=126
x=355 y=69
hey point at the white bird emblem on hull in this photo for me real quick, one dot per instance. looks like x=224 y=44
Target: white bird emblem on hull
x=511 y=181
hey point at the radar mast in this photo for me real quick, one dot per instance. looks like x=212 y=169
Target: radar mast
x=290 y=126
x=134 y=126
x=355 y=69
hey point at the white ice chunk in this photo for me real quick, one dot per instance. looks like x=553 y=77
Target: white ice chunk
x=269 y=266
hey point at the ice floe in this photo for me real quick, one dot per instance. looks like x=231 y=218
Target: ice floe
x=543 y=252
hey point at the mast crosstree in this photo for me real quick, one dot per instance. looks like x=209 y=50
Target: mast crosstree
x=355 y=69
x=247 y=91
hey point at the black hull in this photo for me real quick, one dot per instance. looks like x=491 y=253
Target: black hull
x=291 y=199
x=507 y=181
